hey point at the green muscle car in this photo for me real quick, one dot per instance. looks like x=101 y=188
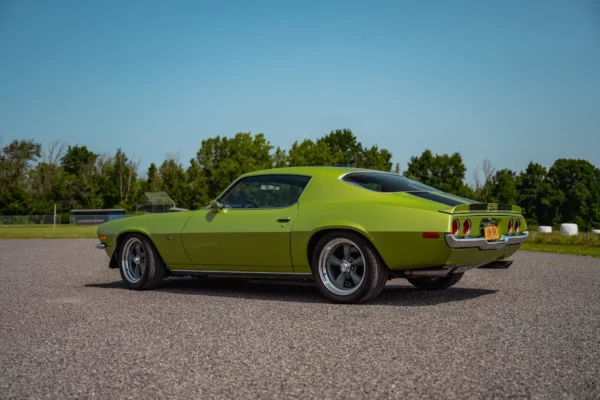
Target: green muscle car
x=349 y=230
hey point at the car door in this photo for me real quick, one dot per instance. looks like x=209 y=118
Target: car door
x=252 y=230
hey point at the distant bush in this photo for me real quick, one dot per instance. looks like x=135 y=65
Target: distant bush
x=65 y=218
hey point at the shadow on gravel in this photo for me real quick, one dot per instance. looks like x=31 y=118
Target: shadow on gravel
x=393 y=295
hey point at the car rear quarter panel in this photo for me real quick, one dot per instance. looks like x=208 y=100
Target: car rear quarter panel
x=393 y=223
x=395 y=232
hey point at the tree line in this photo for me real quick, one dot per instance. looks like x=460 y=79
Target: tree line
x=33 y=179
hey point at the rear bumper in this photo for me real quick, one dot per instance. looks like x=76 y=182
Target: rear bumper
x=482 y=244
x=100 y=246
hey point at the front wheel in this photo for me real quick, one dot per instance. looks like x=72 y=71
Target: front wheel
x=436 y=282
x=347 y=269
x=139 y=263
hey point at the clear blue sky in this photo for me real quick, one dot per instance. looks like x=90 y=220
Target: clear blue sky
x=513 y=81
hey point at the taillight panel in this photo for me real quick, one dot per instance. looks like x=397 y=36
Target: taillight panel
x=455 y=226
x=473 y=225
x=466 y=227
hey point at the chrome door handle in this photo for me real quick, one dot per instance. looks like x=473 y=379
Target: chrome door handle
x=282 y=219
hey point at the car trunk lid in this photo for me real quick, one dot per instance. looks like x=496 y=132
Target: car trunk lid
x=452 y=204
x=491 y=208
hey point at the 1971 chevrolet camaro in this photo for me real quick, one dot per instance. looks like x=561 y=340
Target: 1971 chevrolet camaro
x=347 y=229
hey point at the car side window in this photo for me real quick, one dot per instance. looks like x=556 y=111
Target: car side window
x=265 y=191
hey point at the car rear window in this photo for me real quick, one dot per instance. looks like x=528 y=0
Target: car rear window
x=386 y=182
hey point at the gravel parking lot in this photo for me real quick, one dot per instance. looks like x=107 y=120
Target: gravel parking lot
x=69 y=328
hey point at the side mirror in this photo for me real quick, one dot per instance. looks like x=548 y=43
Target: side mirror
x=216 y=206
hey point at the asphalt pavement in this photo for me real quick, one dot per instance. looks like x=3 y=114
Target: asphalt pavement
x=70 y=329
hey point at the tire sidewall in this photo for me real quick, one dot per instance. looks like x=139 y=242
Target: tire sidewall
x=371 y=265
x=150 y=261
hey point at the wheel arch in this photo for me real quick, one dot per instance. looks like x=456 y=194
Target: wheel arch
x=317 y=235
x=119 y=240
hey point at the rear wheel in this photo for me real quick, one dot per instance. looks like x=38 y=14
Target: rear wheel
x=436 y=282
x=139 y=263
x=347 y=269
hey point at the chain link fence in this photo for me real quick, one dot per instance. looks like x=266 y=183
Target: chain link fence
x=74 y=219
x=28 y=219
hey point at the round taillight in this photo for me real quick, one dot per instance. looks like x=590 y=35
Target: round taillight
x=455 y=226
x=518 y=226
x=510 y=225
x=466 y=227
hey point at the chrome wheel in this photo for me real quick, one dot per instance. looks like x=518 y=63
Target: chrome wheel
x=133 y=260
x=342 y=266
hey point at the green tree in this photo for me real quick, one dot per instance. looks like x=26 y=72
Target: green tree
x=46 y=173
x=504 y=187
x=375 y=158
x=444 y=172
x=78 y=159
x=198 y=186
x=344 y=146
x=223 y=159
x=309 y=153
x=535 y=195
x=118 y=180
x=339 y=147
x=15 y=162
x=280 y=158
x=174 y=181
x=575 y=192
x=80 y=185
x=483 y=191
x=153 y=181
x=13 y=201
x=79 y=178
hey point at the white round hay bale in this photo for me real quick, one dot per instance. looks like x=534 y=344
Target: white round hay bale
x=568 y=229
x=545 y=229
x=596 y=231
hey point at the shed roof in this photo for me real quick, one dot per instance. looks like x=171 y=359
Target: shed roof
x=157 y=198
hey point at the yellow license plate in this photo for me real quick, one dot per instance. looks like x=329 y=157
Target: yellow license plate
x=491 y=232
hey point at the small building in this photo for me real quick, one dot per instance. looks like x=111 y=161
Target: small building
x=96 y=217
x=155 y=202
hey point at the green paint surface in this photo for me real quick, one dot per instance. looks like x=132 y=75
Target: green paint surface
x=256 y=240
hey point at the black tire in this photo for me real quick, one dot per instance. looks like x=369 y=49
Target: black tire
x=436 y=283
x=374 y=272
x=153 y=270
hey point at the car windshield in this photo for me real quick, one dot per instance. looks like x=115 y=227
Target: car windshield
x=387 y=182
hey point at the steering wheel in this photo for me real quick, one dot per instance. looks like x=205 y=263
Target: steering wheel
x=253 y=204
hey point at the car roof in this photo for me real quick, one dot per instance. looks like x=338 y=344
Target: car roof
x=311 y=171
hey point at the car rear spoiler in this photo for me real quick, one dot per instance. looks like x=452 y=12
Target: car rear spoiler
x=482 y=207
